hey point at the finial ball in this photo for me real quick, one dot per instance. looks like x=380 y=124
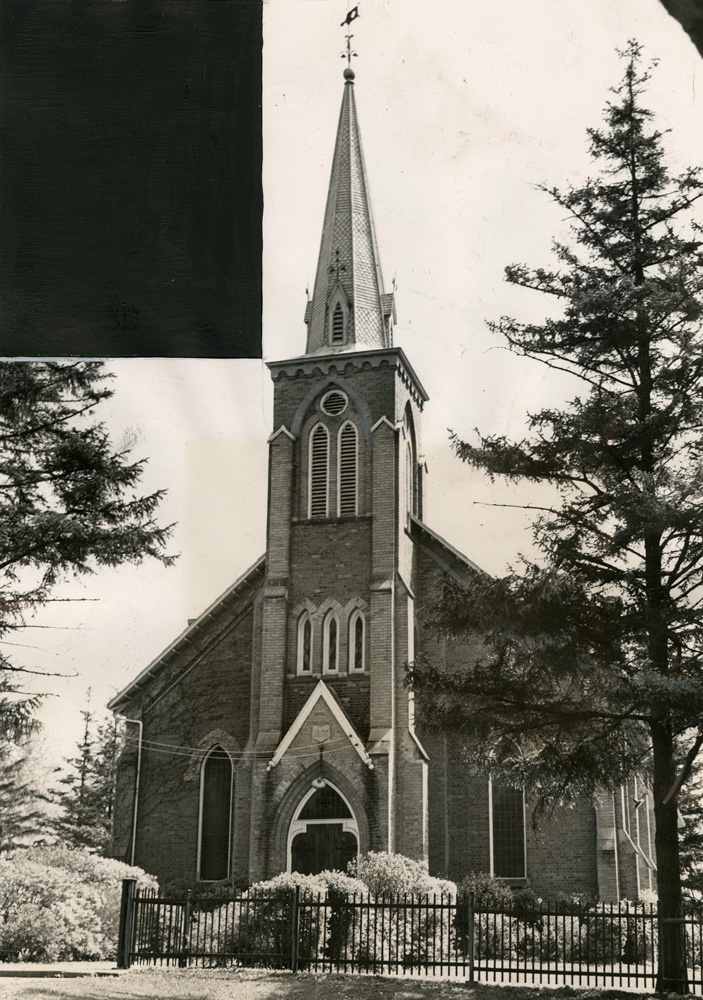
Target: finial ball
x=349 y=73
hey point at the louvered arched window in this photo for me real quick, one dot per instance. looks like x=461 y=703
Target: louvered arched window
x=338 y=324
x=357 y=642
x=305 y=644
x=347 y=486
x=318 y=477
x=215 y=816
x=330 y=641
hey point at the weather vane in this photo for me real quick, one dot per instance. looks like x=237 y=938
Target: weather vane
x=351 y=16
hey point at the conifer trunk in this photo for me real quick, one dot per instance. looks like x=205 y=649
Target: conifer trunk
x=671 y=971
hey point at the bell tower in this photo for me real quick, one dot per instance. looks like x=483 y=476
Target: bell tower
x=337 y=608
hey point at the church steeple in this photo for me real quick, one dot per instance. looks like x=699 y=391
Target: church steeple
x=349 y=307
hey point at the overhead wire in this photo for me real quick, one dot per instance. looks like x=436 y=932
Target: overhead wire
x=134 y=743
x=239 y=753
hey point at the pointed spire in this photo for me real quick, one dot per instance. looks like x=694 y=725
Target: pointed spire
x=349 y=307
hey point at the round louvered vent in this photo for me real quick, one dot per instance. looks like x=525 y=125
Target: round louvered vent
x=334 y=402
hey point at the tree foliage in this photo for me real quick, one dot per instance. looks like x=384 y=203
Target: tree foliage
x=69 y=502
x=592 y=663
x=86 y=793
x=25 y=813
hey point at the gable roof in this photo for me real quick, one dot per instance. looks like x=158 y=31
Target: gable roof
x=248 y=579
x=321 y=691
x=453 y=562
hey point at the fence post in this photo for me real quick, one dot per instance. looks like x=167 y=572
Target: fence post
x=470 y=935
x=183 y=960
x=294 y=927
x=124 y=939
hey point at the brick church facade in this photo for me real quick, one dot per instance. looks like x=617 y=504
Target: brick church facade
x=276 y=732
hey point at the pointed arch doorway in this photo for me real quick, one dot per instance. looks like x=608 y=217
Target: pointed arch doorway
x=323 y=833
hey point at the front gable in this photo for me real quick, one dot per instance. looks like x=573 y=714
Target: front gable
x=320 y=726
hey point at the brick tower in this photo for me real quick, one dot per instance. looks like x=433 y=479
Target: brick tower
x=337 y=616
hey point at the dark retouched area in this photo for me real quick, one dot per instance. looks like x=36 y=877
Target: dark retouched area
x=130 y=178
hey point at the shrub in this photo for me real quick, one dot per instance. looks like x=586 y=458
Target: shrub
x=384 y=873
x=489 y=893
x=59 y=904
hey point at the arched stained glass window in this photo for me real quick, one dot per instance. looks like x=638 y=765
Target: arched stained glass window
x=305 y=645
x=507 y=831
x=357 y=642
x=331 y=643
x=347 y=474
x=319 y=472
x=215 y=816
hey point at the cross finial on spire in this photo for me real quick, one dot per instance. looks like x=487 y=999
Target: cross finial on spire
x=336 y=267
x=350 y=52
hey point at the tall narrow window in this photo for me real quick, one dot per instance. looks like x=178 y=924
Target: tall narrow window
x=330 y=655
x=215 y=815
x=319 y=472
x=507 y=831
x=338 y=324
x=305 y=645
x=409 y=479
x=347 y=474
x=357 y=629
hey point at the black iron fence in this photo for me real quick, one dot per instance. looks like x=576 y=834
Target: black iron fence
x=594 y=945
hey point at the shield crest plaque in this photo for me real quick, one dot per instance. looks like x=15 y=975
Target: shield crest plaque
x=320 y=734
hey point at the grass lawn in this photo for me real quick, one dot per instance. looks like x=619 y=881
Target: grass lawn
x=198 y=984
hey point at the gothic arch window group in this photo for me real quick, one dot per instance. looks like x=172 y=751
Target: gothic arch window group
x=215 y=819
x=346 y=469
x=341 y=633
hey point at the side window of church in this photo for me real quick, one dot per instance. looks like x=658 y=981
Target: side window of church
x=215 y=813
x=508 y=831
x=357 y=641
x=331 y=643
x=318 y=472
x=347 y=479
x=305 y=645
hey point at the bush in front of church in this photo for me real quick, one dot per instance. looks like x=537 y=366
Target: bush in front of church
x=61 y=904
x=386 y=874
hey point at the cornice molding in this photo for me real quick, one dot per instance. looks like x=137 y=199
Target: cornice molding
x=336 y=364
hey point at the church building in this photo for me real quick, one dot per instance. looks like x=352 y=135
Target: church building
x=277 y=732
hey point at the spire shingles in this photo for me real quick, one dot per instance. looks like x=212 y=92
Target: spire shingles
x=348 y=268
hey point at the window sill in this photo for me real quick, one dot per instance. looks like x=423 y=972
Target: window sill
x=337 y=675
x=331 y=520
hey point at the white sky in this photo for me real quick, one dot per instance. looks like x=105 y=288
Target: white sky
x=464 y=106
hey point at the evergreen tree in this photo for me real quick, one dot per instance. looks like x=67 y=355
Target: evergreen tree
x=86 y=795
x=68 y=502
x=592 y=663
x=25 y=818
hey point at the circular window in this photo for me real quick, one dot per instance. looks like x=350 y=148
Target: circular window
x=333 y=403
